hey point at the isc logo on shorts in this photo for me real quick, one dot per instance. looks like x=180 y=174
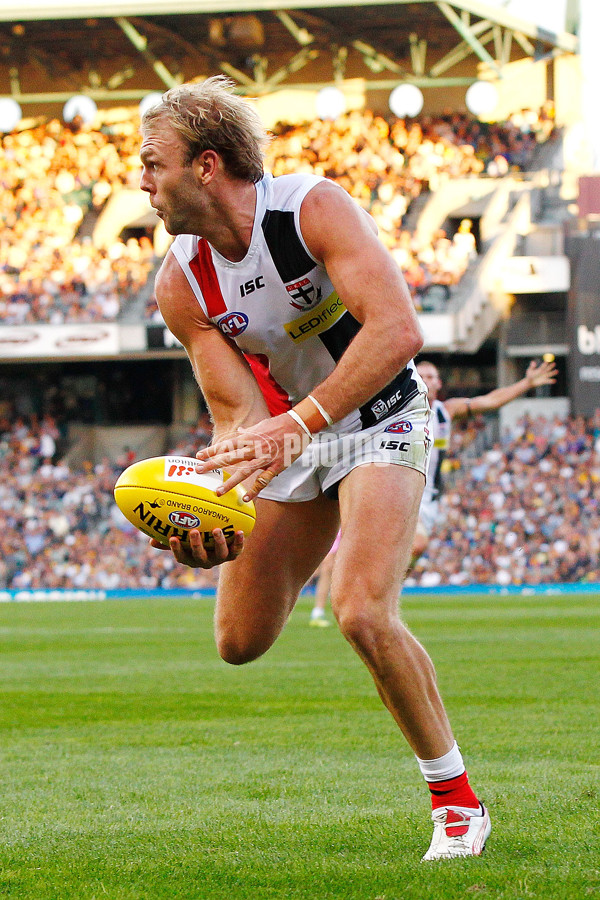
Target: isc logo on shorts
x=399 y=427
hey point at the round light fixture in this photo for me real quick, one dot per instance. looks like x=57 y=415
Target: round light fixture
x=10 y=114
x=80 y=105
x=406 y=100
x=148 y=102
x=481 y=98
x=330 y=103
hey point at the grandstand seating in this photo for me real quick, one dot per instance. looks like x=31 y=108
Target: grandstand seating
x=519 y=511
x=523 y=511
x=61 y=256
x=59 y=524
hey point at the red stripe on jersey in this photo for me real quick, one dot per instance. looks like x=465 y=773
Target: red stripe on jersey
x=276 y=398
x=204 y=272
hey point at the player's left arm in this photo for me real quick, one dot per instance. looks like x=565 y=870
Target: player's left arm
x=536 y=376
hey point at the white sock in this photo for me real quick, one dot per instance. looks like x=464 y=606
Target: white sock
x=450 y=765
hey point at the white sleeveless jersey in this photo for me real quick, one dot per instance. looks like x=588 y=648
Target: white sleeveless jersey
x=279 y=306
x=440 y=425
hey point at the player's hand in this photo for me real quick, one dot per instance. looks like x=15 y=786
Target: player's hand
x=255 y=455
x=197 y=556
x=544 y=373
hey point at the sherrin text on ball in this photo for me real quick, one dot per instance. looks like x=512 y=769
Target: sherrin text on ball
x=166 y=496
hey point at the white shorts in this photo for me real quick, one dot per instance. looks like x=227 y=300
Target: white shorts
x=403 y=439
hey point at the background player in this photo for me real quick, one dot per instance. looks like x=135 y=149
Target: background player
x=318 y=618
x=301 y=332
x=442 y=415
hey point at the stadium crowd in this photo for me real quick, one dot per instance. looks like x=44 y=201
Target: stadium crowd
x=55 y=178
x=524 y=511
x=51 y=177
x=60 y=527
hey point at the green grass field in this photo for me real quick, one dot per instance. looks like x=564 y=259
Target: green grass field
x=136 y=764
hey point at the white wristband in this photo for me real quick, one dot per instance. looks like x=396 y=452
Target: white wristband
x=323 y=412
x=297 y=418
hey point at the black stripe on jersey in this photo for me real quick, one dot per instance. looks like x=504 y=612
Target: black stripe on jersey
x=388 y=401
x=337 y=338
x=286 y=249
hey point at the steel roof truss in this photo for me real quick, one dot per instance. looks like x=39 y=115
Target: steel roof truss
x=466 y=32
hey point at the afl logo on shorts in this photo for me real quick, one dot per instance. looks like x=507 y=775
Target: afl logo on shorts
x=399 y=427
x=233 y=323
x=183 y=519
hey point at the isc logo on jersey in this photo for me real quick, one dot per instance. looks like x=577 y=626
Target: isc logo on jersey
x=303 y=294
x=233 y=324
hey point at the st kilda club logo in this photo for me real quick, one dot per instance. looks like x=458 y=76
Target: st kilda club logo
x=303 y=294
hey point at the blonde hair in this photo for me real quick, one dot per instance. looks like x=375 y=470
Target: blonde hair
x=209 y=116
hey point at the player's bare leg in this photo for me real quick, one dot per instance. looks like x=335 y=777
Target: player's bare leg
x=257 y=591
x=365 y=602
x=365 y=599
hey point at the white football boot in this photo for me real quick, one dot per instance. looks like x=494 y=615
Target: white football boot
x=458 y=832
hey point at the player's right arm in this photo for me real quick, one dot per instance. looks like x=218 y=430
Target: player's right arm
x=227 y=383
x=229 y=388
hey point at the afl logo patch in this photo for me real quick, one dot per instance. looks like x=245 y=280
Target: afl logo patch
x=183 y=519
x=399 y=427
x=302 y=293
x=233 y=323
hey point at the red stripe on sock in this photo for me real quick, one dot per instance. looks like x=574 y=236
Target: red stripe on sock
x=453 y=792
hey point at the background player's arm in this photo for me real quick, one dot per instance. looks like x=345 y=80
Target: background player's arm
x=536 y=376
x=225 y=379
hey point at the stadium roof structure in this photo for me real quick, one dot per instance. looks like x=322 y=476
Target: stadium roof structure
x=120 y=50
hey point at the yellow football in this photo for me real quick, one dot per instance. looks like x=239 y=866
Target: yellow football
x=166 y=496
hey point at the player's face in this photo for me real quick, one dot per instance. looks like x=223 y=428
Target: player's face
x=431 y=377
x=167 y=178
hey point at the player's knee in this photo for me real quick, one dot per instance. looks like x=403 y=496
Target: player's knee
x=235 y=654
x=237 y=649
x=237 y=645
x=362 y=622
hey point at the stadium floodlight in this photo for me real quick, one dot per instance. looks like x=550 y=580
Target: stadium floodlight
x=10 y=114
x=481 y=98
x=149 y=101
x=330 y=103
x=80 y=105
x=406 y=100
